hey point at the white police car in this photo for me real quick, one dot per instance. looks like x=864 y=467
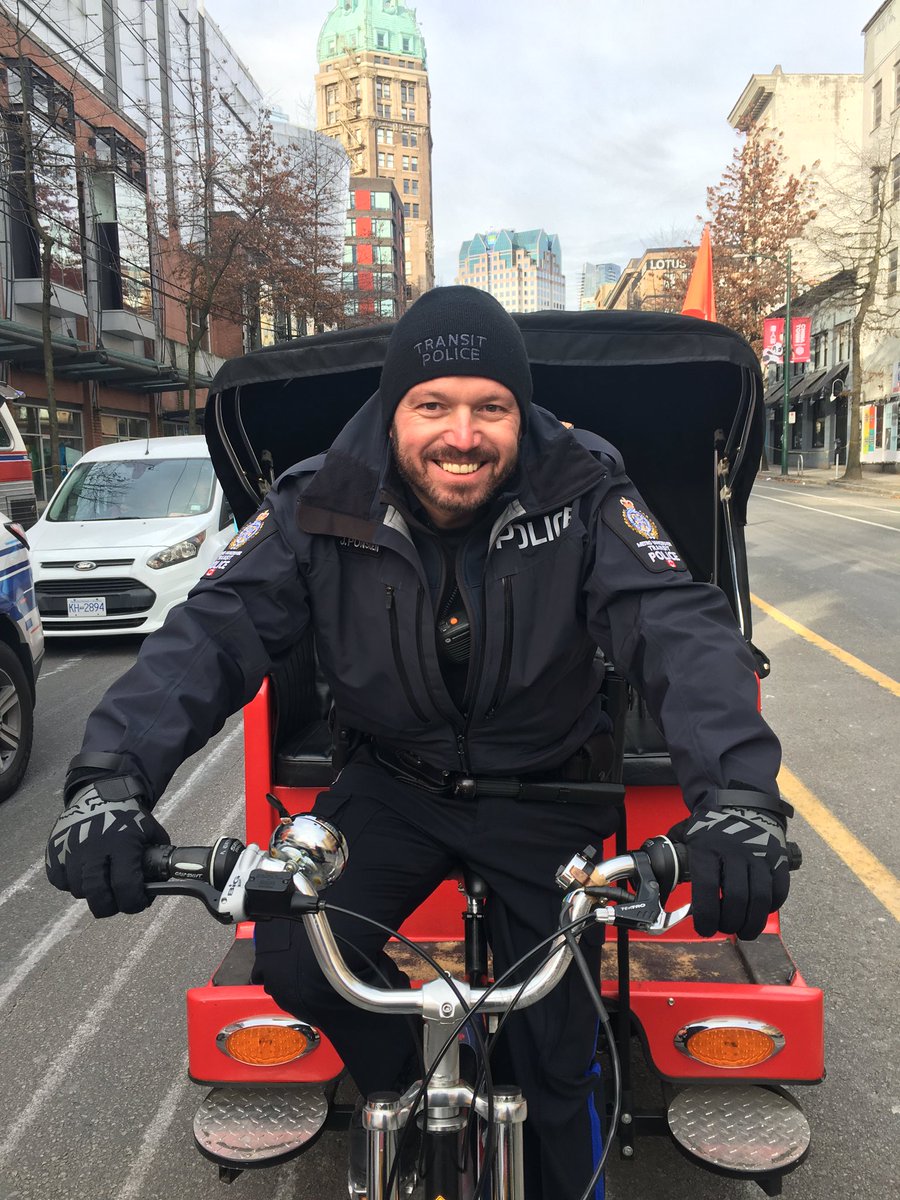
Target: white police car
x=21 y=654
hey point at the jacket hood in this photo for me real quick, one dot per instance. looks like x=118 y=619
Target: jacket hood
x=555 y=465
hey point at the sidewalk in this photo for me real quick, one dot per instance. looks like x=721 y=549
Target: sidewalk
x=874 y=482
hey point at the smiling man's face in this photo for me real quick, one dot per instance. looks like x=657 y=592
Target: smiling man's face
x=456 y=441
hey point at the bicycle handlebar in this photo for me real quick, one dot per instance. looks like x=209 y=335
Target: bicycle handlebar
x=238 y=883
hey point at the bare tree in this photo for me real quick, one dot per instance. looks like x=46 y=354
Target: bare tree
x=857 y=243
x=251 y=227
x=755 y=210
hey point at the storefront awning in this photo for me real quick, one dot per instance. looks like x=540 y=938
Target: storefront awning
x=72 y=359
x=775 y=394
x=812 y=380
x=837 y=372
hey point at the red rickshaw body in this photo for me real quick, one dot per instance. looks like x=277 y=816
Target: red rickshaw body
x=681 y=399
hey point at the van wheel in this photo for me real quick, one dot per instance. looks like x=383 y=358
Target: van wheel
x=16 y=721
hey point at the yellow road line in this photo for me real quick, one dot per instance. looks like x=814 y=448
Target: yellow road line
x=882 y=883
x=849 y=660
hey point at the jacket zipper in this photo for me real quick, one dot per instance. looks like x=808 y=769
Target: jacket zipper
x=398 y=657
x=506 y=653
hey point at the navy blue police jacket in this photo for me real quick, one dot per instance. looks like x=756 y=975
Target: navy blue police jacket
x=567 y=559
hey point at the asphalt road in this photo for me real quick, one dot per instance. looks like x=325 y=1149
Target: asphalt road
x=95 y=1103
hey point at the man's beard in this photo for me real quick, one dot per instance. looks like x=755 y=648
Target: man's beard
x=452 y=499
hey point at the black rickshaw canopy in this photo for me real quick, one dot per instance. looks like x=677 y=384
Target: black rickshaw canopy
x=679 y=397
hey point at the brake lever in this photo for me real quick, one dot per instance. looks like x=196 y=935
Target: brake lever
x=205 y=892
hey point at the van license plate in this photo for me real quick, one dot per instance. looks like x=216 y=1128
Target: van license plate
x=86 y=606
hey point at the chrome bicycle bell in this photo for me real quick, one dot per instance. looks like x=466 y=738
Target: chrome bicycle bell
x=312 y=846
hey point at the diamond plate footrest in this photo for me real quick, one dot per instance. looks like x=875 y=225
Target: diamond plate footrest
x=744 y=1130
x=246 y=1127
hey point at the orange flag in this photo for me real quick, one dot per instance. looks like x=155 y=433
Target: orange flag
x=700 y=300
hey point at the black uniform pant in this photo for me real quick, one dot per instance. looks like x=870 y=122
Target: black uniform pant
x=403 y=841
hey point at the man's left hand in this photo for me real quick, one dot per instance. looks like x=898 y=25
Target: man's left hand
x=739 y=869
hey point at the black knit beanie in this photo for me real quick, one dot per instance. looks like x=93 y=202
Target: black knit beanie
x=455 y=331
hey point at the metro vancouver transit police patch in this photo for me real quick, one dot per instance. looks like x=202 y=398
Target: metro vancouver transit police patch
x=641 y=534
x=254 y=531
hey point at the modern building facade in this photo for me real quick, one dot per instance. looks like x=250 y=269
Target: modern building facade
x=112 y=98
x=523 y=270
x=594 y=277
x=373 y=281
x=372 y=94
x=655 y=282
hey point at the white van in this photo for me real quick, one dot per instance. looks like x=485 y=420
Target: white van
x=127 y=534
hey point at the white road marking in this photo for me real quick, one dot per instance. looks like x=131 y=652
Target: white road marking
x=90 y=1027
x=156 y=1131
x=60 y=927
x=828 y=513
x=846 y=498
x=70 y=662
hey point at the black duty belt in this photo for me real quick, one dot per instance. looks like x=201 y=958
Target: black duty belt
x=407 y=767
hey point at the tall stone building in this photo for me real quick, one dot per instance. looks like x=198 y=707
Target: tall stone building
x=372 y=94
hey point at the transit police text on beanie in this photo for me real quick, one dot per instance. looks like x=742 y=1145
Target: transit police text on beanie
x=455 y=331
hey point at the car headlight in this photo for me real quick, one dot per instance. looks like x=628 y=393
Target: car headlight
x=180 y=552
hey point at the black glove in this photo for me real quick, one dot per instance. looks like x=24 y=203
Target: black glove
x=96 y=847
x=740 y=853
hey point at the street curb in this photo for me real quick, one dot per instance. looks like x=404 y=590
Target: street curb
x=860 y=488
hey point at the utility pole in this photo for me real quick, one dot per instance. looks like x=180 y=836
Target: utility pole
x=786 y=359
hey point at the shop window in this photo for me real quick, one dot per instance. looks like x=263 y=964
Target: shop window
x=817 y=417
x=34 y=424
x=120 y=428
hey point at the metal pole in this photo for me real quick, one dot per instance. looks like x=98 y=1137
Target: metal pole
x=785 y=412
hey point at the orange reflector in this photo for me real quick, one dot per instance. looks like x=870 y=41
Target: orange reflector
x=266 y=1045
x=730 y=1046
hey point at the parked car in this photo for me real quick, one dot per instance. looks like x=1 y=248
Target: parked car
x=21 y=654
x=126 y=535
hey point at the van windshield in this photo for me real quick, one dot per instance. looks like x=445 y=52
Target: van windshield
x=135 y=489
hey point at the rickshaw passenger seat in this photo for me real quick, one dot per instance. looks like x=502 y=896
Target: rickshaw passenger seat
x=646 y=761
x=301 y=738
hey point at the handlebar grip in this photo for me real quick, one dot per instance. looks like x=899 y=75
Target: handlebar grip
x=206 y=864
x=668 y=873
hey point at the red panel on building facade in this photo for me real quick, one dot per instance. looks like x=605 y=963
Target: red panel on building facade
x=364 y=252
x=362 y=199
x=363 y=226
x=366 y=282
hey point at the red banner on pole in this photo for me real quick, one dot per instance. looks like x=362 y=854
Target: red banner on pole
x=800 y=331
x=773 y=339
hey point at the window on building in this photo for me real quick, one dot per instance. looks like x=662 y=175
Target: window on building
x=381 y=200
x=876 y=192
x=405 y=162
x=380 y=40
x=820 y=350
x=892 y=273
x=817 y=418
x=408 y=114
x=34 y=425
x=876 y=104
x=797 y=431
x=895 y=178
x=406 y=46
x=405 y=209
x=381 y=159
x=383 y=111
x=405 y=187
x=415 y=187
x=897 y=84
x=409 y=138
x=331 y=95
x=121 y=428
x=407 y=92
x=382 y=88
x=124 y=244
x=842 y=342
x=414 y=163
x=390 y=162
x=415 y=213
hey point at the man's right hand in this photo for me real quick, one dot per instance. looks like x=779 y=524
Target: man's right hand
x=97 y=846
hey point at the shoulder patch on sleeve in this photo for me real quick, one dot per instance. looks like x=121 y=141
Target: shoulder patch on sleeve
x=629 y=519
x=256 y=530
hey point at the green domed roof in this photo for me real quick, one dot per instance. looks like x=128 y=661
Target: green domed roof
x=379 y=25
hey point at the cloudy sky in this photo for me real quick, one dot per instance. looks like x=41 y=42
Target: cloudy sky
x=601 y=120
